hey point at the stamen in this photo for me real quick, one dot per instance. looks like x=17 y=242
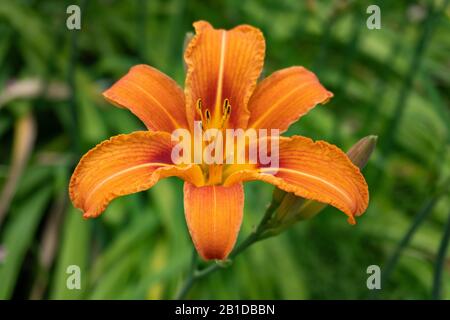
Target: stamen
x=199 y=105
x=226 y=102
x=199 y=108
x=206 y=117
x=226 y=112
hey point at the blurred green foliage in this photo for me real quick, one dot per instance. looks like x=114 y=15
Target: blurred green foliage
x=393 y=82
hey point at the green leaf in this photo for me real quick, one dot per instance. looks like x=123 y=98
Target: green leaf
x=123 y=243
x=74 y=250
x=18 y=237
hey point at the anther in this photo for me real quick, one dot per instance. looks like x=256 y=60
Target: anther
x=199 y=108
x=199 y=104
x=226 y=112
x=226 y=103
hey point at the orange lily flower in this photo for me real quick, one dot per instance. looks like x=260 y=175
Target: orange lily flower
x=222 y=72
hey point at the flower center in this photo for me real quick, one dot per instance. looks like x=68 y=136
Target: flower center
x=218 y=121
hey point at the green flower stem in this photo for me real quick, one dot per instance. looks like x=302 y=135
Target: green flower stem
x=190 y=279
x=404 y=242
x=420 y=217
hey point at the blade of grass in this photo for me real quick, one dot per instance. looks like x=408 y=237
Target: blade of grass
x=18 y=237
x=131 y=235
x=344 y=73
x=50 y=237
x=141 y=26
x=71 y=81
x=378 y=98
x=24 y=136
x=119 y=275
x=74 y=250
x=415 y=64
x=335 y=14
x=440 y=262
x=420 y=217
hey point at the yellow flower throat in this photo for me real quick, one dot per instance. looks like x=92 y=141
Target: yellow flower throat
x=213 y=172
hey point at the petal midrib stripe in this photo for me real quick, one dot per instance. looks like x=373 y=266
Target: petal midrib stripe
x=220 y=75
x=176 y=124
x=119 y=173
x=276 y=104
x=214 y=213
x=343 y=193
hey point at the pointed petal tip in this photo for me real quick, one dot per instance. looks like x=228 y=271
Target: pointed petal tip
x=329 y=96
x=87 y=215
x=351 y=220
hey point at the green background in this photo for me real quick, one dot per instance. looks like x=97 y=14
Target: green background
x=393 y=82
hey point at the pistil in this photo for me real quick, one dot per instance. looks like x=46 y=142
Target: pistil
x=215 y=174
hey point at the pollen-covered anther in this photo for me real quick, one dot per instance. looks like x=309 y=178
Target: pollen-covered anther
x=213 y=121
x=199 y=109
x=226 y=111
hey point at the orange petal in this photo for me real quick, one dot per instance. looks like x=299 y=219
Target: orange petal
x=314 y=170
x=152 y=96
x=214 y=216
x=223 y=64
x=124 y=164
x=283 y=97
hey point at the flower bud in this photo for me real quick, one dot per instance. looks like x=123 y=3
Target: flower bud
x=361 y=151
